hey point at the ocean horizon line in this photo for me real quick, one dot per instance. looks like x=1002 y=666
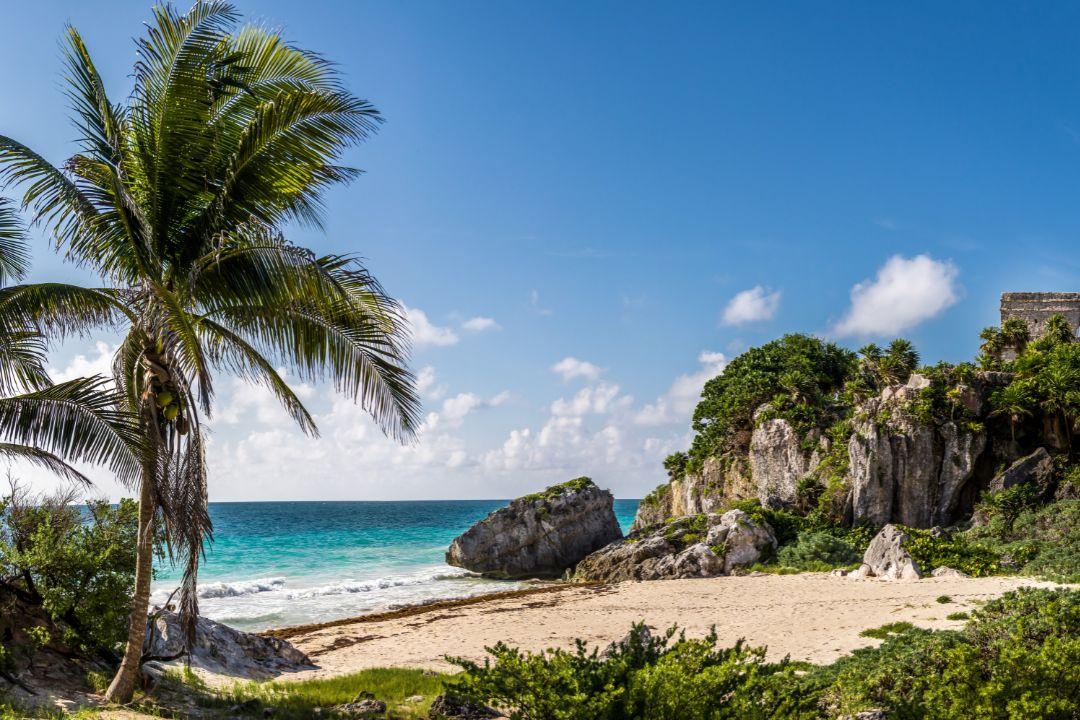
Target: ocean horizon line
x=423 y=500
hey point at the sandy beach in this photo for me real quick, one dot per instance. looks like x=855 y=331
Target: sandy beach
x=814 y=617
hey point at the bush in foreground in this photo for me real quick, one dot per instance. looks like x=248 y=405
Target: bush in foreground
x=1015 y=659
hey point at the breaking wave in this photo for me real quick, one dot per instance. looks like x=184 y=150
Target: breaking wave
x=242 y=587
x=349 y=586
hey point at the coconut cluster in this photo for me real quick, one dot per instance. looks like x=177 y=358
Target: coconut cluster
x=162 y=388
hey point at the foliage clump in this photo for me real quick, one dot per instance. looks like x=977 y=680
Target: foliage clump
x=76 y=563
x=818 y=551
x=578 y=484
x=1015 y=659
x=800 y=376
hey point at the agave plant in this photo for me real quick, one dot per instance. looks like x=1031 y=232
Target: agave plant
x=49 y=425
x=180 y=199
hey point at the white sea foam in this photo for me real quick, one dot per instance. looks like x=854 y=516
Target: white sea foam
x=240 y=587
x=351 y=586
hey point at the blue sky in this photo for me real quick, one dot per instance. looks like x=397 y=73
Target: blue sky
x=602 y=179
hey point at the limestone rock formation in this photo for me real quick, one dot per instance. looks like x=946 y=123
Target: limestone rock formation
x=1035 y=469
x=905 y=470
x=693 y=546
x=721 y=480
x=539 y=535
x=222 y=649
x=778 y=461
x=887 y=558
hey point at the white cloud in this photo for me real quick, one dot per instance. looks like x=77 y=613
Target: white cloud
x=249 y=403
x=454 y=409
x=427 y=334
x=570 y=367
x=85 y=366
x=534 y=300
x=596 y=400
x=905 y=293
x=675 y=405
x=753 y=305
x=427 y=384
x=480 y=324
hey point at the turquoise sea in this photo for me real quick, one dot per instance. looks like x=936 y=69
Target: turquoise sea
x=274 y=564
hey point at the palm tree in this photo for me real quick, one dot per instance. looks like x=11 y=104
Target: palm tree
x=1015 y=334
x=894 y=366
x=1016 y=401
x=179 y=200
x=43 y=424
x=1057 y=330
x=1059 y=383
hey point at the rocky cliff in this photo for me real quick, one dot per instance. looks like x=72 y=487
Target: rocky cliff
x=906 y=469
x=899 y=462
x=539 y=535
x=703 y=545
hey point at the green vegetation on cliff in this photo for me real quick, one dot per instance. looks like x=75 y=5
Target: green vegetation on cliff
x=799 y=375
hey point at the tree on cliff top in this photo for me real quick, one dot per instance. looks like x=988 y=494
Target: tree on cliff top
x=801 y=376
x=179 y=200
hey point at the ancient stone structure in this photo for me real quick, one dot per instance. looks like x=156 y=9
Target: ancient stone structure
x=1035 y=308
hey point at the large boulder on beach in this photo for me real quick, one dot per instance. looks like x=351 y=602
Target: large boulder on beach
x=222 y=649
x=888 y=558
x=690 y=547
x=539 y=535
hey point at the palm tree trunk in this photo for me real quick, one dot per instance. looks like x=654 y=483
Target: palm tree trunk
x=123 y=685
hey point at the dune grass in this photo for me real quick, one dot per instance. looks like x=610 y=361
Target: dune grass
x=407 y=693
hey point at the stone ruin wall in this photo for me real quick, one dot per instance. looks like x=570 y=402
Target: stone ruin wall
x=1035 y=308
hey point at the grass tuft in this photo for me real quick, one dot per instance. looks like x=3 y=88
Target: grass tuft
x=888 y=630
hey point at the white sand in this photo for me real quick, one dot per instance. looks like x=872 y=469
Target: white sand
x=812 y=616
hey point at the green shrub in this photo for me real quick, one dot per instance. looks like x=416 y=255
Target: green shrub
x=944 y=599
x=1015 y=659
x=887 y=630
x=78 y=564
x=666 y=677
x=957 y=551
x=958 y=616
x=818 y=551
x=1042 y=541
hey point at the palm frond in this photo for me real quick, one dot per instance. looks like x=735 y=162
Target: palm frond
x=99 y=120
x=78 y=420
x=232 y=353
x=59 y=310
x=14 y=259
x=181 y=497
x=22 y=360
x=43 y=459
x=358 y=355
x=56 y=200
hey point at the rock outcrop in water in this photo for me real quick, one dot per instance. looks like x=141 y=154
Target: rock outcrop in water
x=222 y=649
x=696 y=546
x=539 y=535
